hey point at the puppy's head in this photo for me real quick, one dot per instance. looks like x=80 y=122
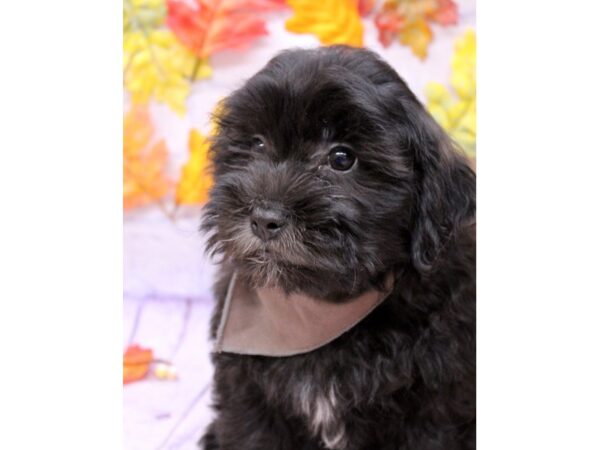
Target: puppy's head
x=329 y=173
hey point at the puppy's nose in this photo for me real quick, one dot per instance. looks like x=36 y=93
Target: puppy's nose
x=267 y=222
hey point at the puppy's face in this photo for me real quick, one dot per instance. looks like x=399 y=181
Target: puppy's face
x=315 y=172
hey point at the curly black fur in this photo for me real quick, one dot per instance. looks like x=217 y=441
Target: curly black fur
x=404 y=378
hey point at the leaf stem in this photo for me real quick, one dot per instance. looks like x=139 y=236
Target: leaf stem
x=197 y=64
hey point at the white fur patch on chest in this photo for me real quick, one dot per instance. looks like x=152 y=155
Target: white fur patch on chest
x=321 y=411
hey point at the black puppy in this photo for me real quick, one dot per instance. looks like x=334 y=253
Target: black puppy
x=330 y=175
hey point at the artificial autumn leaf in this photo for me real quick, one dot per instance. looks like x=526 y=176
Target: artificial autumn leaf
x=157 y=66
x=136 y=363
x=208 y=26
x=144 y=161
x=142 y=15
x=417 y=35
x=409 y=21
x=445 y=14
x=195 y=182
x=332 y=21
x=457 y=113
x=365 y=6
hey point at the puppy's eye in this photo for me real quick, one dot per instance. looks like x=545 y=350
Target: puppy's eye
x=341 y=158
x=257 y=143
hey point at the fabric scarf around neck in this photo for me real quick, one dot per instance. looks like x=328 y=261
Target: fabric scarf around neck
x=267 y=322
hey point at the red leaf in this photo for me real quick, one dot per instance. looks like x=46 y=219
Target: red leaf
x=388 y=23
x=365 y=7
x=446 y=13
x=209 y=26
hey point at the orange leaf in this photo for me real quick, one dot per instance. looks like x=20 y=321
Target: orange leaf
x=144 y=162
x=195 y=182
x=134 y=373
x=209 y=26
x=417 y=36
x=332 y=21
x=408 y=19
x=136 y=363
x=134 y=354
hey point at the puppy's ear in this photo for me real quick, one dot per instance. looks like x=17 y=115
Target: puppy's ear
x=445 y=190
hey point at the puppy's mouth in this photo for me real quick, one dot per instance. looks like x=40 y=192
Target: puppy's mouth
x=271 y=262
x=279 y=252
x=245 y=246
x=294 y=254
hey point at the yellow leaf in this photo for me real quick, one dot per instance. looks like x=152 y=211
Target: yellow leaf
x=195 y=182
x=143 y=15
x=144 y=180
x=332 y=21
x=157 y=66
x=465 y=51
x=456 y=112
x=438 y=93
x=417 y=35
x=463 y=65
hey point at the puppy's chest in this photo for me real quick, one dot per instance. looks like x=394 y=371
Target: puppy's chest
x=321 y=407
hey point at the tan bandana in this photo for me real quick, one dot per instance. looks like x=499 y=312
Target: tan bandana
x=268 y=322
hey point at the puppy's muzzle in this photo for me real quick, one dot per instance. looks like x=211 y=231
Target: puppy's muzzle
x=268 y=221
